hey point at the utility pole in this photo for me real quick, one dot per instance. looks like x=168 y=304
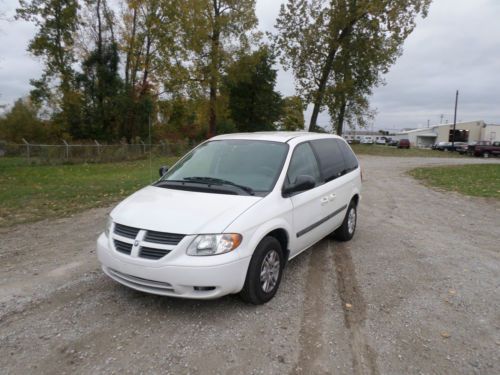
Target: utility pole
x=428 y=121
x=454 y=123
x=442 y=116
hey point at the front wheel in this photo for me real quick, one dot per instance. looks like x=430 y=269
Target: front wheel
x=346 y=231
x=264 y=272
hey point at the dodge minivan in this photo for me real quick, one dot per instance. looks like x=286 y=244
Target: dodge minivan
x=229 y=215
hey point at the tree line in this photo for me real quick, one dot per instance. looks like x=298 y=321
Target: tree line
x=196 y=68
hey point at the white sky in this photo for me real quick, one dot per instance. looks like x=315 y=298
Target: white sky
x=456 y=47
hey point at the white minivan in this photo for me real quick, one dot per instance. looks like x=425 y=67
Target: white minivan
x=228 y=216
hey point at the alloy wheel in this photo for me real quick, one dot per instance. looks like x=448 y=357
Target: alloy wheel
x=270 y=271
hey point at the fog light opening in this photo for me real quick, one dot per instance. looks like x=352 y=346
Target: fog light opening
x=203 y=288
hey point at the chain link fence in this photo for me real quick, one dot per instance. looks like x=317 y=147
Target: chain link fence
x=93 y=152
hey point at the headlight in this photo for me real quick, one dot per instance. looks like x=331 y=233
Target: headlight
x=109 y=224
x=214 y=244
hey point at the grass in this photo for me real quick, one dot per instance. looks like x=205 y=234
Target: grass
x=478 y=180
x=33 y=192
x=380 y=150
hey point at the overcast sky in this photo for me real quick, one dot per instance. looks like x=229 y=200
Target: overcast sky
x=456 y=47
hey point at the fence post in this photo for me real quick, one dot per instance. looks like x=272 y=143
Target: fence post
x=143 y=147
x=67 y=149
x=27 y=148
x=98 y=147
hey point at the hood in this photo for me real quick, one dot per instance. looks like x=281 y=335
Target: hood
x=181 y=211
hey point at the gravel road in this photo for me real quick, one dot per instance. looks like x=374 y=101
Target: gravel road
x=417 y=291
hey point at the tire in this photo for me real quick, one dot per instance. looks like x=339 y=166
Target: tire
x=267 y=254
x=346 y=231
x=486 y=154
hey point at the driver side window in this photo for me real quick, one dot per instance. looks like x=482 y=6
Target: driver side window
x=303 y=163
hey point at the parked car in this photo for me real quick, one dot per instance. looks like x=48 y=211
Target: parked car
x=404 y=143
x=366 y=141
x=380 y=141
x=393 y=142
x=439 y=145
x=471 y=148
x=487 y=149
x=462 y=149
x=449 y=146
x=228 y=216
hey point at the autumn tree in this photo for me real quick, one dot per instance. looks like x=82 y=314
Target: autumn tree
x=213 y=31
x=56 y=22
x=292 y=117
x=357 y=69
x=148 y=39
x=22 y=121
x=312 y=33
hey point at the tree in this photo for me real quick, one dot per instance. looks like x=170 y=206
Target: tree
x=213 y=30
x=22 y=121
x=249 y=83
x=148 y=38
x=100 y=82
x=312 y=33
x=56 y=22
x=292 y=117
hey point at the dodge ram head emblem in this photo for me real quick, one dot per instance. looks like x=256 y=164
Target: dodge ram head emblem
x=136 y=243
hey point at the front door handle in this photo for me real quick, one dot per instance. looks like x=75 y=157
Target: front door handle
x=324 y=200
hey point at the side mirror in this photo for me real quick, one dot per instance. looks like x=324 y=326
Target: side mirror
x=163 y=170
x=303 y=182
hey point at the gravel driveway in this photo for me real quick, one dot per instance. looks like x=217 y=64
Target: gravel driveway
x=417 y=291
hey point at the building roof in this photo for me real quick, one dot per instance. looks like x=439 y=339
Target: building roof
x=478 y=122
x=434 y=135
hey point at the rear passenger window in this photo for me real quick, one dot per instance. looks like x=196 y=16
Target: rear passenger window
x=351 y=163
x=303 y=163
x=330 y=158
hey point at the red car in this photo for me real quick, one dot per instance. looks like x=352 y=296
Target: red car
x=404 y=143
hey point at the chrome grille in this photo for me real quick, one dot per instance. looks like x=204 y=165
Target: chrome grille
x=150 y=253
x=125 y=231
x=163 y=237
x=143 y=238
x=123 y=247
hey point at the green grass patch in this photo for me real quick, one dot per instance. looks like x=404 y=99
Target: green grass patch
x=383 y=150
x=478 y=180
x=33 y=192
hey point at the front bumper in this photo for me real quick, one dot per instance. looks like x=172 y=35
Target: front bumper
x=180 y=280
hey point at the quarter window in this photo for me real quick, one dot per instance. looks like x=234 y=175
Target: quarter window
x=351 y=163
x=330 y=158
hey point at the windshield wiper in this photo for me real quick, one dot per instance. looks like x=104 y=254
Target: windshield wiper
x=218 y=181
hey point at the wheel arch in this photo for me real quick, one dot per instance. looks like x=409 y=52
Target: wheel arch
x=278 y=229
x=283 y=238
x=355 y=198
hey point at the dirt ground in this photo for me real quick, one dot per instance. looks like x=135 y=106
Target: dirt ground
x=417 y=291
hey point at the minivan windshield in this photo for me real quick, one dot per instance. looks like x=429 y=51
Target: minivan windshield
x=245 y=166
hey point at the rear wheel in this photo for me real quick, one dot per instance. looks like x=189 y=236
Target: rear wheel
x=264 y=272
x=348 y=227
